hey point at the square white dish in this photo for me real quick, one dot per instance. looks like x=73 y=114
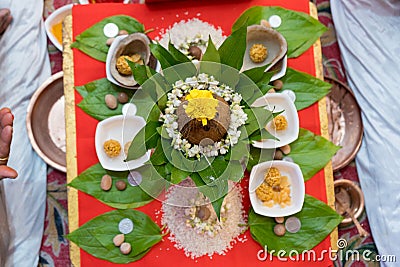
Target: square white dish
x=297 y=188
x=122 y=129
x=277 y=102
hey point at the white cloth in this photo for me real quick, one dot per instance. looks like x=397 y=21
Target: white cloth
x=24 y=65
x=369 y=38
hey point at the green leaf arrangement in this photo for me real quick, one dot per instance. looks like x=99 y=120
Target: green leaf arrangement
x=93 y=42
x=89 y=183
x=311 y=152
x=307 y=88
x=169 y=166
x=96 y=236
x=94 y=93
x=317 y=221
x=299 y=29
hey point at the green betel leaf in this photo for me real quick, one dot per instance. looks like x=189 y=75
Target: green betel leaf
x=307 y=88
x=165 y=58
x=258 y=155
x=257 y=118
x=94 y=93
x=257 y=74
x=299 y=29
x=233 y=48
x=100 y=85
x=211 y=53
x=96 y=236
x=89 y=183
x=145 y=139
x=178 y=175
x=311 y=152
x=141 y=73
x=317 y=219
x=178 y=55
x=93 y=41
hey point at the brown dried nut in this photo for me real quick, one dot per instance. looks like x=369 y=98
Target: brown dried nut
x=278 y=84
x=122 y=97
x=111 y=101
x=120 y=185
x=265 y=23
x=278 y=155
x=110 y=41
x=203 y=213
x=118 y=240
x=125 y=248
x=279 y=219
x=122 y=32
x=106 y=182
x=279 y=229
x=285 y=149
x=195 y=52
x=272 y=90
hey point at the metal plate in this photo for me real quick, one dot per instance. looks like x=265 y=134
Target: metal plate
x=345 y=124
x=46 y=122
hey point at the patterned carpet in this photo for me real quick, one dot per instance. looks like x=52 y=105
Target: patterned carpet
x=55 y=250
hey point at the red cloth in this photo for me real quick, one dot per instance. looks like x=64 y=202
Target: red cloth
x=86 y=69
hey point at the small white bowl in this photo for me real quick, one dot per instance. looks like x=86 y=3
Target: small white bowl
x=281 y=71
x=122 y=129
x=277 y=102
x=297 y=189
x=56 y=17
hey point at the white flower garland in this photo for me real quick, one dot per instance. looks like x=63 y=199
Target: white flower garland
x=203 y=81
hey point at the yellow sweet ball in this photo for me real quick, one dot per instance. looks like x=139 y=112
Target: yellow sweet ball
x=112 y=148
x=258 y=53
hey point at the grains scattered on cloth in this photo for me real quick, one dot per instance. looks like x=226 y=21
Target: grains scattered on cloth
x=199 y=238
x=191 y=30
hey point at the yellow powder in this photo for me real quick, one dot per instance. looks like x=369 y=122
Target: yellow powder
x=56 y=30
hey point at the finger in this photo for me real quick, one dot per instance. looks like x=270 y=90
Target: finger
x=7 y=172
x=6 y=120
x=5 y=141
x=4 y=111
x=5 y=19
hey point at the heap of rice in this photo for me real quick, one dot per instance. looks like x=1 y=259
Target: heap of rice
x=191 y=29
x=194 y=242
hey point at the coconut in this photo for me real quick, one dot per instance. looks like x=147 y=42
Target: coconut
x=136 y=43
x=193 y=129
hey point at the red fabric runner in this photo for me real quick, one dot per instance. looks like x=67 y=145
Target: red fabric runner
x=86 y=69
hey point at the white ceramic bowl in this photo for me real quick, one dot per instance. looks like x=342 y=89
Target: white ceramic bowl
x=297 y=189
x=56 y=17
x=281 y=71
x=277 y=102
x=123 y=129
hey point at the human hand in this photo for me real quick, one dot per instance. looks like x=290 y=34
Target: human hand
x=6 y=130
x=5 y=19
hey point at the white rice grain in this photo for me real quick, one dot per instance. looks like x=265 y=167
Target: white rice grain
x=190 y=29
x=198 y=244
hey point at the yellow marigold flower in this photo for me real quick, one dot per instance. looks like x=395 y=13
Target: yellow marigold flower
x=201 y=105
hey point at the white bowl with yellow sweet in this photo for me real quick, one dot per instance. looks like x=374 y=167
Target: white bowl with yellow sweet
x=285 y=126
x=276 y=188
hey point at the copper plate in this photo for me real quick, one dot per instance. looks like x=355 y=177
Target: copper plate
x=46 y=103
x=345 y=125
